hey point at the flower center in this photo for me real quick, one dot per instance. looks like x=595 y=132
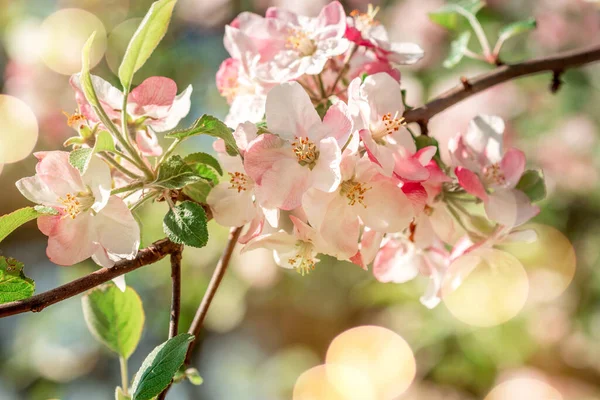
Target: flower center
x=389 y=124
x=299 y=41
x=238 y=181
x=230 y=90
x=354 y=192
x=74 y=120
x=306 y=151
x=304 y=260
x=494 y=175
x=76 y=204
x=364 y=21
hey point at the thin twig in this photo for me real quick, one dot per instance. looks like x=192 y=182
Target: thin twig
x=176 y=292
x=151 y=254
x=215 y=281
x=502 y=74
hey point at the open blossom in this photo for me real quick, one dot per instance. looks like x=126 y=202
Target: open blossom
x=377 y=107
x=364 y=30
x=302 y=151
x=486 y=171
x=364 y=196
x=289 y=45
x=153 y=106
x=296 y=251
x=90 y=222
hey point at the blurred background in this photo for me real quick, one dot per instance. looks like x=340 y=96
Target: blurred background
x=267 y=325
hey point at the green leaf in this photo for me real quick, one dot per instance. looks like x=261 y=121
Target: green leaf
x=81 y=158
x=532 y=184
x=119 y=395
x=14 y=285
x=198 y=191
x=211 y=126
x=86 y=78
x=457 y=49
x=174 y=173
x=517 y=28
x=160 y=366
x=423 y=141
x=204 y=158
x=186 y=224
x=148 y=35
x=10 y=222
x=194 y=376
x=207 y=173
x=115 y=318
x=449 y=16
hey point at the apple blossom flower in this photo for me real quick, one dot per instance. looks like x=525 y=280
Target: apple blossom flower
x=302 y=151
x=89 y=221
x=377 y=107
x=364 y=30
x=232 y=201
x=486 y=171
x=289 y=45
x=295 y=251
x=364 y=196
x=153 y=106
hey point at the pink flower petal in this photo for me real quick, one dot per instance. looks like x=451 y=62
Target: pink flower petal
x=513 y=166
x=117 y=230
x=71 y=240
x=510 y=207
x=469 y=181
x=386 y=207
x=230 y=207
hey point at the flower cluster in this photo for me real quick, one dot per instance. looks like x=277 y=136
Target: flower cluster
x=327 y=164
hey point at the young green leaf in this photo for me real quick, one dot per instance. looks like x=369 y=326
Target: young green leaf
x=204 y=158
x=148 y=35
x=211 y=126
x=174 y=173
x=532 y=184
x=160 y=366
x=457 y=49
x=115 y=318
x=194 y=376
x=198 y=191
x=186 y=224
x=517 y=28
x=86 y=77
x=14 y=285
x=449 y=16
x=10 y=222
x=81 y=158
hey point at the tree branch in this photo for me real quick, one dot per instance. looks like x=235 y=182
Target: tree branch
x=555 y=64
x=176 y=292
x=215 y=281
x=151 y=254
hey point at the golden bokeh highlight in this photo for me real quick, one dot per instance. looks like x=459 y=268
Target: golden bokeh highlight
x=334 y=382
x=377 y=353
x=524 y=389
x=23 y=41
x=550 y=262
x=118 y=39
x=64 y=33
x=18 y=129
x=492 y=288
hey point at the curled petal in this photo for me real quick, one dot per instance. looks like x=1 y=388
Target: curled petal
x=469 y=181
x=290 y=113
x=513 y=166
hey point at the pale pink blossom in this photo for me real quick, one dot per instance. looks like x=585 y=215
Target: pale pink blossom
x=377 y=107
x=364 y=30
x=153 y=106
x=90 y=222
x=297 y=251
x=302 y=151
x=364 y=196
x=486 y=171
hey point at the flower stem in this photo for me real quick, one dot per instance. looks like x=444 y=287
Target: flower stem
x=118 y=166
x=124 y=375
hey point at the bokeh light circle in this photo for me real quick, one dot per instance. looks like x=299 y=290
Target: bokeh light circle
x=377 y=353
x=333 y=382
x=64 y=34
x=486 y=287
x=18 y=129
x=550 y=261
x=22 y=41
x=524 y=389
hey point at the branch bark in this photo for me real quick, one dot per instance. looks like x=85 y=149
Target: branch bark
x=153 y=253
x=175 y=292
x=555 y=64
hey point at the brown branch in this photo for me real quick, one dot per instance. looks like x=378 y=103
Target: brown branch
x=151 y=254
x=557 y=63
x=215 y=281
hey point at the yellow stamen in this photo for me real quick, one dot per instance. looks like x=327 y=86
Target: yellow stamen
x=354 y=192
x=298 y=40
x=303 y=261
x=74 y=120
x=75 y=204
x=493 y=174
x=365 y=20
x=306 y=151
x=239 y=181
